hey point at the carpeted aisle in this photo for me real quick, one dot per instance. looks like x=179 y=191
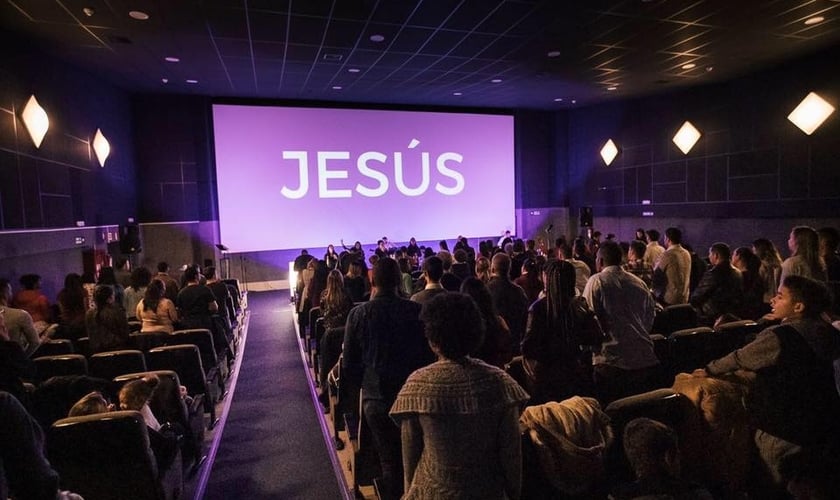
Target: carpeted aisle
x=272 y=445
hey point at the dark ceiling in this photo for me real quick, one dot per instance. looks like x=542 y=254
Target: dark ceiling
x=543 y=54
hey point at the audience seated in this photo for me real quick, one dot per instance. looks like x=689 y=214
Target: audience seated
x=15 y=366
x=32 y=300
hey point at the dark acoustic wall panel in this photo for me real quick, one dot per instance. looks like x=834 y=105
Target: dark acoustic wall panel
x=61 y=182
x=749 y=160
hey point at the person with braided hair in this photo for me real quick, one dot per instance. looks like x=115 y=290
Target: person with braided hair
x=559 y=324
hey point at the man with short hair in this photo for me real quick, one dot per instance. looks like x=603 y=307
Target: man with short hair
x=432 y=273
x=171 y=291
x=626 y=363
x=654 y=251
x=582 y=271
x=829 y=242
x=672 y=273
x=383 y=344
x=509 y=298
x=721 y=289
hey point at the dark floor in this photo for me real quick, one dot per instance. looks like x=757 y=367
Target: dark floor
x=272 y=445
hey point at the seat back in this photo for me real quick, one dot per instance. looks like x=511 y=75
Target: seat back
x=202 y=339
x=663 y=405
x=738 y=333
x=134 y=325
x=692 y=348
x=111 y=364
x=54 y=347
x=184 y=360
x=63 y=364
x=148 y=340
x=82 y=346
x=674 y=318
x=105 y=456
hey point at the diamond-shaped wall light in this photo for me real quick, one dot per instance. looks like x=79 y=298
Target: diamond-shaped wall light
x=686 y=137
x=609 y=152
x=36 y=121
x=811 y=112
x=101 y=147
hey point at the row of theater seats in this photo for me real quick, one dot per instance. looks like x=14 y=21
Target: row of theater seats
x=109 y=455
x=681 y=344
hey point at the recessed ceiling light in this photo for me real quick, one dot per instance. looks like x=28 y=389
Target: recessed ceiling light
x=558 y=99
x=612 y=87
x=353 y=70
x=574 y=101
x=554 y=53
x=139 y=15
x=337 y=87
x=88 y=11
x=689 y=66
x=496 y=80
x=165 y=80
x=171 y=59
x=710 y=68
x=814 y=20
x=457 y=93
x=192 y=81
x=377 y=38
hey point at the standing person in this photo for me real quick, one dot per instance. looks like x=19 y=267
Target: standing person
x=331 y=258
x=555 y=365
x=508 y=298
x=626 y=363
x=140 y=279
x=107 y=326
x=805 y=259
x=335 y=306
x=752 y=303
x=829 y=242
x=721 y=290
x=156 y=312
x=459 y=416
x=497 y=347
x=72 y=306
x=672 y=272
x=196 y=303
x=530 y=280
x=654 y=250
x=169 y=283
x=107 y=277
x=793 y=401
x=771 y=266
x=355 y=283
x=432 y=273
x=383 y=344
x=225 y=315
x=19 y=323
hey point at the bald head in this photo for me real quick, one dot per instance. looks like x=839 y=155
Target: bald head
x=500 y=265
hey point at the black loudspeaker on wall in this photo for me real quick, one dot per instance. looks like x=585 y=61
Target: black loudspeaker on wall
x=130 y=239
x=585 y=216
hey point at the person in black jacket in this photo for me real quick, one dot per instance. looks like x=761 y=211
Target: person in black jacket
x=721 y=289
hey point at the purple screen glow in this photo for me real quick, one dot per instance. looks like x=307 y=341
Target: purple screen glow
x=305 y=177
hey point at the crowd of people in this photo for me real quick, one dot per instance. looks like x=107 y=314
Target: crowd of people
x=516 y=325
x=105 y=309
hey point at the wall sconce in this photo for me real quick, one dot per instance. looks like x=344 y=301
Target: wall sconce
x=811 y=113
x=101 y=147
x=609 y=152
x=36 y=120
x=687 y=136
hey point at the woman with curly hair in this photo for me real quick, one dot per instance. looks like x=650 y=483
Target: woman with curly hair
x=459 y=416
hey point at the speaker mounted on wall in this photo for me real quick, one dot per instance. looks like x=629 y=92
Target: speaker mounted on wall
x=130 y=239
x=585 y=216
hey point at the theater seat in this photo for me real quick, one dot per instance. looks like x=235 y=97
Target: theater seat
x=54 y=347
x=738 y=333
x=112 y=364
x=143 y=341
x=108 y=456
x=168 y=406
x=214 y=369
x=185 y=360
x=692 y=348
x=674 y=318
x=63 y=364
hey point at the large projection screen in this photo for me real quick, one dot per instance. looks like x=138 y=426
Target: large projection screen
x=305 y=177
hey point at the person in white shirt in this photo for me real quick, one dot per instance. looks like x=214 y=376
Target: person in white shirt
x=654 y=251
x=672 y=274
x=626 y=363
x=582 y=271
